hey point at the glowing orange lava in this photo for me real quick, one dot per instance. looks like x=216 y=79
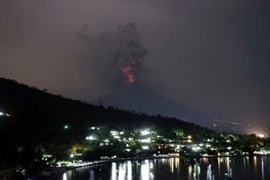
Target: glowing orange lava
x=129 y=75
x=132 y=70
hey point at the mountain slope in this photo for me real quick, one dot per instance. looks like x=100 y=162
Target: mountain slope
x=141 y=99
x=38 y=115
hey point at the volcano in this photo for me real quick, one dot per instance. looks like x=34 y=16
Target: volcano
x=134 y=96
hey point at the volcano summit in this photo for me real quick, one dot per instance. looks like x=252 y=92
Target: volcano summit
x=136 y=97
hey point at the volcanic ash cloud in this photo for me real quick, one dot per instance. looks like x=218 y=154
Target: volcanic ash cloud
x=123 y=48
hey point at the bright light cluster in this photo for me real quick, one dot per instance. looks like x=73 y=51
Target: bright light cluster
x=145 y=132
x=4 y=114
x=91 y=138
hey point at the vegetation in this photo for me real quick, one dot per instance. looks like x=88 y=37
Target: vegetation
x=36 y=125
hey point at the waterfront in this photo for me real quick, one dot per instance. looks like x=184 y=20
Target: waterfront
x=248 y=168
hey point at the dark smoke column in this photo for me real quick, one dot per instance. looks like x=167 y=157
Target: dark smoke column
x=122 y=47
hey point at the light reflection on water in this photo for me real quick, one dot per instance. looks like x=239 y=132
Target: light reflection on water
x=248 y=168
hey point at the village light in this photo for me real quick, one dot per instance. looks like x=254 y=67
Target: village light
x=261 y=136
x=148 y=140
x=145 y=147
x=145 y=132
x=196 y=149
x=114 y=133
x=91 y=138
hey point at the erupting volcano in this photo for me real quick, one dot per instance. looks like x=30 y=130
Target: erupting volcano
x=122 y=47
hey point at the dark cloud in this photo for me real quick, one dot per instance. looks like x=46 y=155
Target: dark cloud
x=120 y=51
x=212 y=56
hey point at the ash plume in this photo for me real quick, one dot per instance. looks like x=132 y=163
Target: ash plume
x=122 y=49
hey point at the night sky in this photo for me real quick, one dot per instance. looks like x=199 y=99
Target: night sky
x=212 y=55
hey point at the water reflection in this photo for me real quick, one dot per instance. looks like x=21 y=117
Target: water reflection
x=159 y=169
x=219 y=162
x=65 y=176
x=262 y=170
x=209 y=172
x=146 y=174
x=113 y=172
x=255 y=161
x=172 y=164
x=189 y=172
x=129 y=167
x=196 y=171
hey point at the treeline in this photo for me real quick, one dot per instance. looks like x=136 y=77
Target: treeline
x=39 y=117
x=39 y=114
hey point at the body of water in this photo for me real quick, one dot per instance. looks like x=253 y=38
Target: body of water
x=245 y=168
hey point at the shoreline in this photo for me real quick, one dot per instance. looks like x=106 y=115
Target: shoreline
x=58 y=170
